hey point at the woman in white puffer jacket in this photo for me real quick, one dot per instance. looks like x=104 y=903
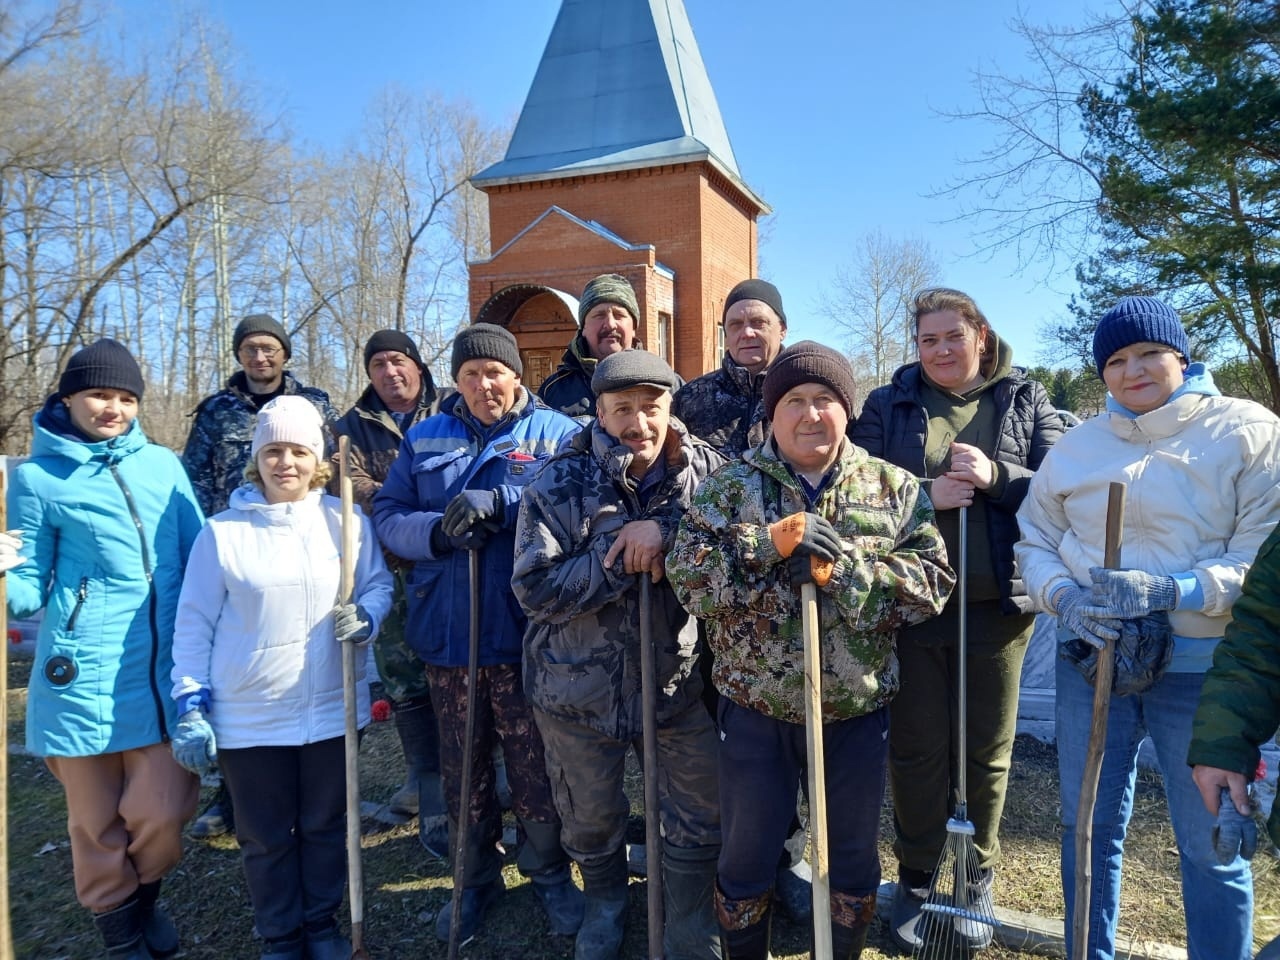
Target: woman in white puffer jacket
x=258 y=675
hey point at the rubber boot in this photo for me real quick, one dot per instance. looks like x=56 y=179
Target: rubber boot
x=433 y=816
x=420 y=741
x=851 y=917
x=906 y=924
x=482 y=873
x=291 y=947
x=745 y=925
x=604 y=919
x=121 y=931
x=158 y=931
x=688 y=898
x=544 y=861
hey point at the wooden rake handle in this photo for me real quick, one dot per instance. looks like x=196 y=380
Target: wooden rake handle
x=817 y=773
x=1097 y=740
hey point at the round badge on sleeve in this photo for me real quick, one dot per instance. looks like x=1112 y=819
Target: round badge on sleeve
x=60 y=671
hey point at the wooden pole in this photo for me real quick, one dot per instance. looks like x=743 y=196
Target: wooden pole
x=649 y=735
x=817 y=774
x=1097 y=740
x=351 y=743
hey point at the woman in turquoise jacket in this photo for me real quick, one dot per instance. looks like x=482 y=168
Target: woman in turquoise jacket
x=103 y=522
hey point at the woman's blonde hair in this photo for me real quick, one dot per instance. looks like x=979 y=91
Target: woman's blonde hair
x=322 y=476
x=938 y=299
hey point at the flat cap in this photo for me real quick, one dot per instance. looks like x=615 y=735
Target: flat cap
x=633 y=368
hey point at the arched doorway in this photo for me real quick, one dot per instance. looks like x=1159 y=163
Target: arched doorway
x=543 y=321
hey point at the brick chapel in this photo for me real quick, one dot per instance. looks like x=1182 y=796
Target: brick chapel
x=619 y=163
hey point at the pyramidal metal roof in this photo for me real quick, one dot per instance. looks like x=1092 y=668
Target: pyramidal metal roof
x=621 y=85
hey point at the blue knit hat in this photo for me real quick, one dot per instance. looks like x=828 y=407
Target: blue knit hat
x=1138 y=320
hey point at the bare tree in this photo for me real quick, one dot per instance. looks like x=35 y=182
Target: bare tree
x=870 y=300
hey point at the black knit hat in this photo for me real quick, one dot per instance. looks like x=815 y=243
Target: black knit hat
x=761 y=290
x=261 y=323
x=391 y=340
x=632 y=368
x=808 y=362
x=1138 y=320
x=105 y=365
x=609 y=288
x=485 y=341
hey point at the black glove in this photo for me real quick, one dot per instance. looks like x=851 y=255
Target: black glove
x=1233 y=832
x=801 y=569
x=470 y=508
x=472 y=539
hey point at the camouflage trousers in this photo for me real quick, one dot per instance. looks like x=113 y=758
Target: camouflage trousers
x=403 y=674
x=502 y=712
x=586 y=771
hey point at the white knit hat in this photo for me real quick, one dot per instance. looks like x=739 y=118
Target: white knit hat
x=289 y=419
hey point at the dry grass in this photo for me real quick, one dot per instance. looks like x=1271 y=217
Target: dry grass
x=405 y=888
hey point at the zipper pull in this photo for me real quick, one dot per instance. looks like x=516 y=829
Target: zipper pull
x=81 y=596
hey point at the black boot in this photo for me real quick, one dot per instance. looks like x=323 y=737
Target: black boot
x=158 y=931
x=744 y=925
x=688 y=891
x=604 y=919
x=121 y=931
x=322 y=941
x=285 y=948
x=420 y=741
x=543 y=860
x=851 y=917
x=483 y=878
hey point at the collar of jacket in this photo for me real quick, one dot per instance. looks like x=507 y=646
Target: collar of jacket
x=1158 y=424
x=766 y=459
x=370 y=406
x=248 y=498
x=525 y=404
x=747 y=383
x=238 y=384
x=53 y=438
x=614 y=457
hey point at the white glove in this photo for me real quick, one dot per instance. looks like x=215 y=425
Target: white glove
x=10 y=544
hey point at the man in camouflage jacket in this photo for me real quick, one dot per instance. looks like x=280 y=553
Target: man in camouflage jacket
x=401 y=392
x=217 y=447
x=726 y=407
x=600 y=517
x=805 y=505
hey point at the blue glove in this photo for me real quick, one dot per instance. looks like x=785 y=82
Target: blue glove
x=193 y=743
x=1084 y=621
x=471 y=508
x=1129 y=594
x=1233 y=832
x=351 y=623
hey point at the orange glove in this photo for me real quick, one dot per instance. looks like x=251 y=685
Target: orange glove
x=805 y=533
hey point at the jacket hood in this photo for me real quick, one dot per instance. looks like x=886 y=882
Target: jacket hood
x=249 y=499
x=615 y=457
x=1197 y=380
x=55 y=435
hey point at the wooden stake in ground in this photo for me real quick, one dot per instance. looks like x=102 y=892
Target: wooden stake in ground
x=649 y=739
x=1097 y=740
x=347 y=558
x=6 y=934
x=817 y=773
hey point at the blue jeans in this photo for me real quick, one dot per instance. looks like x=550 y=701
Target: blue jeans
x=1218 y=899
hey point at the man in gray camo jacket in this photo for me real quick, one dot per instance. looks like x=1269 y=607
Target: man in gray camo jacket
x=597 y=519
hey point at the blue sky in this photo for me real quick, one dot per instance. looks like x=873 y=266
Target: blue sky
x=831 y=107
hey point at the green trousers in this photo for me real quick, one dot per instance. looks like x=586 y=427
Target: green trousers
x=924 y=733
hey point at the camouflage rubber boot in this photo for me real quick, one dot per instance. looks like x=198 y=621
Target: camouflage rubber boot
x=604 y=919
x=688 y=890
x=745 y=925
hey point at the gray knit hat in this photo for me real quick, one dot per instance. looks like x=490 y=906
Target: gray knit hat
x=808 y=362
x=1138 y=320
x=261 y=323
x=485 y=341
x=633 y=368
x=609 y=288
x=104 y=365
x=756 y=289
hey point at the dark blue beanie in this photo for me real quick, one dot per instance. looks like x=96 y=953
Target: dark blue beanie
x=1138 y=320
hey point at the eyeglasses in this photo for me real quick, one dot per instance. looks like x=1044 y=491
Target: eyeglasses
x=249 y=351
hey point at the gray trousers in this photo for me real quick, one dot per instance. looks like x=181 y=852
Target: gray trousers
x=586 y=772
